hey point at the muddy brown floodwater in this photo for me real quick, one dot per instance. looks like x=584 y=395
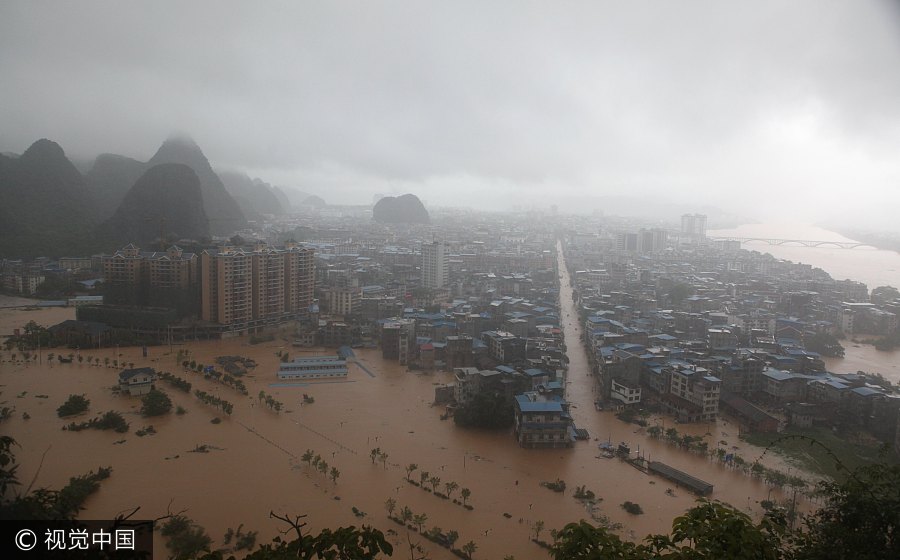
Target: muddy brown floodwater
x=254 y=466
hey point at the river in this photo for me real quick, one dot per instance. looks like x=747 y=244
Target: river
x=875 y=267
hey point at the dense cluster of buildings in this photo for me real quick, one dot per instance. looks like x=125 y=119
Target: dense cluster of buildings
x=698 y=329
x=671 y=319
x=478 y=298
x=227 y=290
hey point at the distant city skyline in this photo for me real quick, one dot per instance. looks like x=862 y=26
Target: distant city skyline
x=769 y=109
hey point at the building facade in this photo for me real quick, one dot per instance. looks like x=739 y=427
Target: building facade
x=435 y=265
x=167 y=278
x=542 y=421
x=247 y=289
x=314 y=367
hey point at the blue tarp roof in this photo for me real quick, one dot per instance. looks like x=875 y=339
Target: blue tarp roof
x=527 y=405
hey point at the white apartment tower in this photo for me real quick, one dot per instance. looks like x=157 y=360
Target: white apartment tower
x=435 y=265
x=693 y=225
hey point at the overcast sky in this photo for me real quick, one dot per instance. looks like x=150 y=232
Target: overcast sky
x=786 y=104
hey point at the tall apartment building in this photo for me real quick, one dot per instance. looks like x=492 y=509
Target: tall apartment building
x=644 y=241
x=693 y=227
x=152 y=278
x=248 y=288
x=435 y=265
x=653 y=240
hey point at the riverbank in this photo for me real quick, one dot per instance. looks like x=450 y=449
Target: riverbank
x=874 y=267
x=879 y=240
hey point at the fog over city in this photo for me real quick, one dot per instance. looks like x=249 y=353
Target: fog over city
x=764 y=109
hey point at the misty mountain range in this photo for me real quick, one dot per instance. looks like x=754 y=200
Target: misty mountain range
x=50 y=208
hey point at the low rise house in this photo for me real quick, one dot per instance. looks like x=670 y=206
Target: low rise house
x=315 y=367
x=625 y=391
x=750 y=415
x=137 y=381
x=543 y=421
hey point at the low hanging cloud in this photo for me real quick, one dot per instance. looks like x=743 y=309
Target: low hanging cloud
x=760 y=106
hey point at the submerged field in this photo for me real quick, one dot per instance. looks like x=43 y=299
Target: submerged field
x=821 y=451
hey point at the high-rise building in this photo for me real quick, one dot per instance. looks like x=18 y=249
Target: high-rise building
x=652 y=240
x=435 y=265
x=250 y=288
x=693 y=226
x=152 y=279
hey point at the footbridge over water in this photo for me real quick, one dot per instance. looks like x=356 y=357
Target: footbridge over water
x=795 y=242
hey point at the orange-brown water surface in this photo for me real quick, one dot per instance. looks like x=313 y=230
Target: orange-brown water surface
x=254 y=464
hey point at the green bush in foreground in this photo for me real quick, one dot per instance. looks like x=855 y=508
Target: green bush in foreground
x=75 y=404
x=155 y=403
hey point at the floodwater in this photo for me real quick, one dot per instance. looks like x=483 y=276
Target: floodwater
x=864 y=357
x=875 y=267
x=254 y=466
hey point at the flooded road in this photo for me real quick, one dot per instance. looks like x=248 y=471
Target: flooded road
x=254 y=465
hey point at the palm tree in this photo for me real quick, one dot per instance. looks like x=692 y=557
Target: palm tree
x=434 y=480
x=316 y=460
x=409 y=470
x=465 y=493
x=334 y=474
x=450 y=487
x=384 y=458
x=423 y=476
x=452 y=537
x=374 y=454
x=419 y=519
x=323 y=467
x=469 y=548
x=390 y=505
x=538 y=528
x=262 y=395
x=406 y=514
x=307 y=456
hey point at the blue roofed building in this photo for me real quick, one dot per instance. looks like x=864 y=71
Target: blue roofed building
x=543 y=421
x=314 y=367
